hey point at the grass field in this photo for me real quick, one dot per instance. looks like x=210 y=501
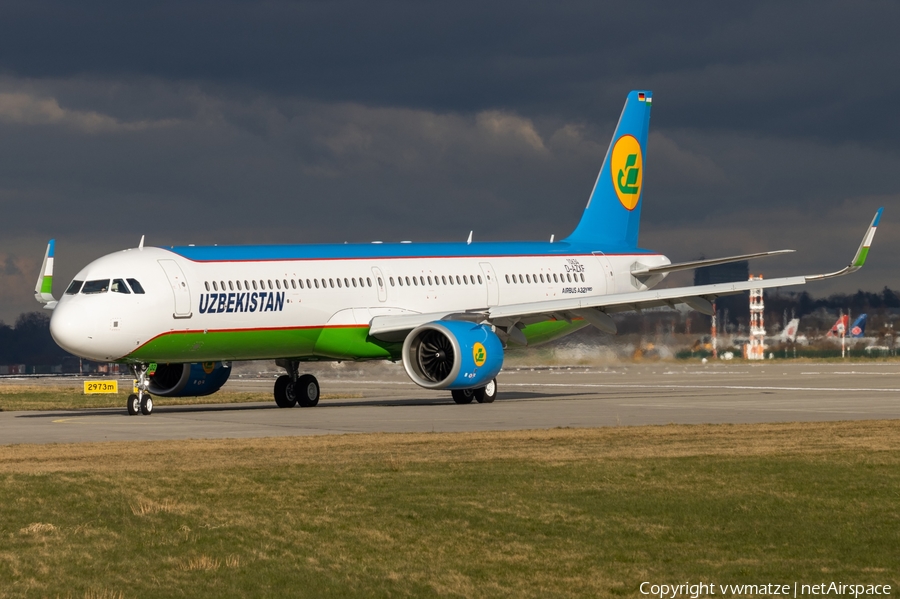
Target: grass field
x=67 y=397
x=558 y=513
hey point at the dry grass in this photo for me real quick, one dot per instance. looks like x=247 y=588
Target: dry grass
x=563 y=512
x=398 y=450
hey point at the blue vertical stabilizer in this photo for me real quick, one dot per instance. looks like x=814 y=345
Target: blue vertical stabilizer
x=613 y=213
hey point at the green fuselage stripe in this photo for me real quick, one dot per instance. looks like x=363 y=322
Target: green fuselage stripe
x=306 y=343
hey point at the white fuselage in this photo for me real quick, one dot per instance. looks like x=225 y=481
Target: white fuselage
x=183 y=295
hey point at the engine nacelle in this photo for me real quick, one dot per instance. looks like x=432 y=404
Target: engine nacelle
x=452 y=354
x=189 y=380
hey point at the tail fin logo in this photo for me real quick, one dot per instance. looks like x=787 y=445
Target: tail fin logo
x=627 y=166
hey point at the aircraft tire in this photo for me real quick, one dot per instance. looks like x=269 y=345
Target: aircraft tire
x=463 y=396
x=306 y=390
x=284 y=396
x=488 y=393
x=134 y=405
x=147 y=405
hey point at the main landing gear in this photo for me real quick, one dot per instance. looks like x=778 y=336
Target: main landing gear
x=141 y=402
x=486 y=394
x=295 y=389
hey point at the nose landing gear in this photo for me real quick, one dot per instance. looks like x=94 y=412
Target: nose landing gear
x=141 y=402
x=293 y=389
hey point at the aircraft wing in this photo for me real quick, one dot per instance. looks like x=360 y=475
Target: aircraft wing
x=596 y=309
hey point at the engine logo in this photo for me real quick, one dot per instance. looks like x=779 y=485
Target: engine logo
x=626 y=165
x=208 y=367
x=479 y=354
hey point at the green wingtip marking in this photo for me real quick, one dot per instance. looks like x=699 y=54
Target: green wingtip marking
x=861 y=258
x=47 y=285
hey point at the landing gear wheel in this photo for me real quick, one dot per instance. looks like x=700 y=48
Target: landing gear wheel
x=488 y=393
x=306 y=390
x=463 y=396
x=147 y=405
x=134 y=405
x=284 y=392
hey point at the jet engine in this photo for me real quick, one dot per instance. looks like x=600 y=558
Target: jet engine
x=189 y=380
x=452 y=354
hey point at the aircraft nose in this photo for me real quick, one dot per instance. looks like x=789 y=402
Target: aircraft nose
x=72 y=330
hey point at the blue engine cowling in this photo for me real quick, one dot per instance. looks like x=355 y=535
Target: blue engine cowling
x=452 y=354
x=189 y=380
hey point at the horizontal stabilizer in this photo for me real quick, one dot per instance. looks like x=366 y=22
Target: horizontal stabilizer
x=43 y=290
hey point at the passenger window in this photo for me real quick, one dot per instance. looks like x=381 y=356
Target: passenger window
x=331 y=283
x=316 y=282
x=528 y=278
x=582 y=277
x=222 y=283
x=285 y=283
x=542 y=277
x=324 y=284
x=479 y=280
x=507 y=278
x=400 y=281
x=392 y=281
x=308 y=286
x=270 y=284
x=230 y=285
x=443 y=279
x=246 y=285
x=74 y=287
x=458 y=282
x=346 y=282
x=215 y=286
x=407 y=281
x=415 y=282
x=555 y=279
x=99 y=286
x=278 y=283
x=293 y=284
x=207 y=285
x=254 y=285
x=238 y=283
x=300 y=281
x=429 y=282
x=118 y=286
x=339 y=283
x=135 y=286
x=354 y=281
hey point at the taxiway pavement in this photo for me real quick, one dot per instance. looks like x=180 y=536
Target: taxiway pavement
x=384 y=400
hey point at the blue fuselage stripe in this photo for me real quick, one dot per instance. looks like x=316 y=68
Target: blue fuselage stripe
x=249 y=253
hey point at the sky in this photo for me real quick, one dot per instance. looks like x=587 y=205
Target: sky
x=329 y=121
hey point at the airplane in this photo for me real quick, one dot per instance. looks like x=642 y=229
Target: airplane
x=841 y=327
x=178 y=316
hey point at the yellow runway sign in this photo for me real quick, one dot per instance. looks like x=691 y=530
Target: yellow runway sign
x=91 y=387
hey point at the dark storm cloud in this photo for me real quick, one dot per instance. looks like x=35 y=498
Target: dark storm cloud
x=814 y=68
x=239 y=122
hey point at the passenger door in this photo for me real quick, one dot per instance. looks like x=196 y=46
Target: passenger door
x=380 y=283
x=180 y=288
x=493 y=285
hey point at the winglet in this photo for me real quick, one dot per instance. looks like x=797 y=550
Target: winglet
x=861 y=254
x=43 y=290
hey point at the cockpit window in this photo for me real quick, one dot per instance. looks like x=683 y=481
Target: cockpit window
x=118 y=286
x=74 y=287
x=135 y=286
x=100 y=286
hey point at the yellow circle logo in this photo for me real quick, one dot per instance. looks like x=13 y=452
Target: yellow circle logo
x=627 y=166
x=208 y=367
x=479 y=354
